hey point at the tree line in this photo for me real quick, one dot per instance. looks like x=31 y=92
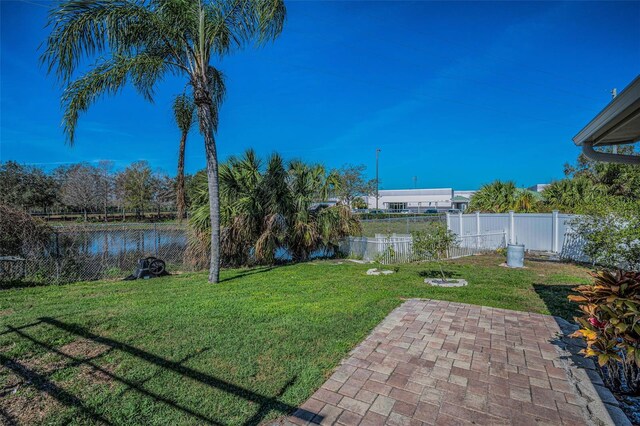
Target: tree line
x=87 y=188
x=97 y=188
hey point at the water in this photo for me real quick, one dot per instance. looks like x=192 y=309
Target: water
x=141 y=241
x=118 y=241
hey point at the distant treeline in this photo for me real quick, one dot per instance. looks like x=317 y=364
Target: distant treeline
x=90 y=191
x=96 y=191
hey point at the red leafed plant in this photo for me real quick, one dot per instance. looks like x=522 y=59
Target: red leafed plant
x=611 y=326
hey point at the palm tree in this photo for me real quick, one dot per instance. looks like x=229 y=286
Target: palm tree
x=495 y=197
x=183 y=108
x=142 y=41
x=526 y=201
x=270 y=206
x=573 y=195
x=500 y=197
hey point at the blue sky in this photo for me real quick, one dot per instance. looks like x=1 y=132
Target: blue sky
x=455 y=93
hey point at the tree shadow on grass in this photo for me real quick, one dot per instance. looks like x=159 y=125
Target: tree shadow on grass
x=248 y=272
x=42 y=382
x=556 y=301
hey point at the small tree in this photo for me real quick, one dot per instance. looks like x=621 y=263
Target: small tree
x=79 y=188
x=135 y=186
x=352 y=184
x=359 y=203
x=26 y=186
x=105 y=185
x=434 y=244
x=163 y=192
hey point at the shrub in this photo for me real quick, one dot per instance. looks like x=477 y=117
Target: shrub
x=611 y=232
x=434 y=244
x=20 y=235
x=611 y=326
x=20 y=232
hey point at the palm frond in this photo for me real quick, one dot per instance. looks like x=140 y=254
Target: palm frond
x=83 y=28
x=109 y=77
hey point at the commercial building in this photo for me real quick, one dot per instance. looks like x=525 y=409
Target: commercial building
x=420 y=200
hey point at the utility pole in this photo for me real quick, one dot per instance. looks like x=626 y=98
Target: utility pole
x=377 y=179
x=415 y=182
x=614 y=93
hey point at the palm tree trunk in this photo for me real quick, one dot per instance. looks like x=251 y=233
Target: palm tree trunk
x=206 y=120
x=181 y=202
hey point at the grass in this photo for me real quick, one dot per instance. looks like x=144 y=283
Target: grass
x=396 y=226
x=177 y=350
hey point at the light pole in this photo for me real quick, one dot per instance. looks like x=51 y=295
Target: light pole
x=377 y=179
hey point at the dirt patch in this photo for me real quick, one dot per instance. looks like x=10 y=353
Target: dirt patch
x=20 y=402
x=44 y=365
x=84 y=348
x=6 y=312
x=94 y=377
x=27 y=409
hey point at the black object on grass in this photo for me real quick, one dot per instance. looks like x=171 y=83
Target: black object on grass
x=149 y=267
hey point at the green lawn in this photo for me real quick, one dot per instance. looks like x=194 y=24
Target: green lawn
x=395 y=226
x=177 y=350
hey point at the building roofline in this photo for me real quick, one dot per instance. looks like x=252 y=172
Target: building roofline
x=625 y=106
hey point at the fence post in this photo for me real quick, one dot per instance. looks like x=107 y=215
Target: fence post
x=512 y=227
x=460 y=228
x=448 y=221
x=477 y=230
x=554 y=230
x=155 y=238
x=58 y=257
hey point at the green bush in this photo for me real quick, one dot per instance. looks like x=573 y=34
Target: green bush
x=611 y=231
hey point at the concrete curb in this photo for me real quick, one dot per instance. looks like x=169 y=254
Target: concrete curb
x=603 y=408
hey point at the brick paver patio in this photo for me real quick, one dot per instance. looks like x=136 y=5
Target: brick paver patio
x=434 y=362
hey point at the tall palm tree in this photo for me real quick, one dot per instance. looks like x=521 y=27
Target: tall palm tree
x=144 y=40
x=183 y=108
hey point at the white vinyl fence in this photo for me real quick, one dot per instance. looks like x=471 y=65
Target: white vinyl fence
x=399 y=248
x=548 y=232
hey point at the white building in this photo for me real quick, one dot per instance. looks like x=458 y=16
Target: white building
x=420 y=200
x=539 y=187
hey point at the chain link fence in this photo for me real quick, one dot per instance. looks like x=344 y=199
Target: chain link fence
x=98 y=251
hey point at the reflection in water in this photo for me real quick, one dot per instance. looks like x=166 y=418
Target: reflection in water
x=92 y=252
